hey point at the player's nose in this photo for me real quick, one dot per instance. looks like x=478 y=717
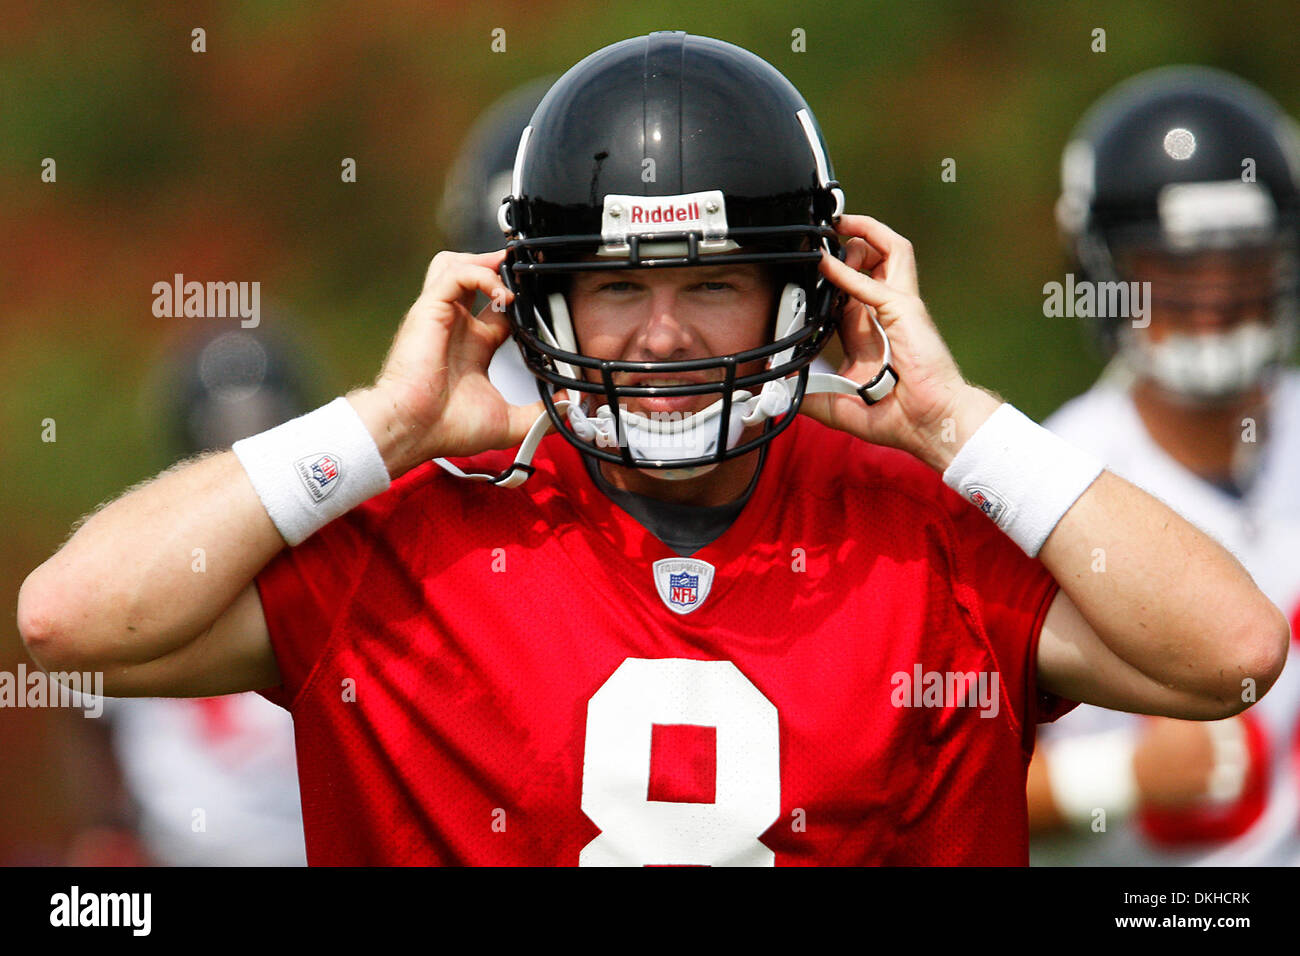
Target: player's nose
x=1219 y=311
x=663 y=335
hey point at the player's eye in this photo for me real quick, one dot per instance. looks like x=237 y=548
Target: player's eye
x=615 y=286
x=714 y=286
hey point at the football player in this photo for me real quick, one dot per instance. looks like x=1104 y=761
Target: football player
x=213 y=781
x=1182 y=183
x=694 y=626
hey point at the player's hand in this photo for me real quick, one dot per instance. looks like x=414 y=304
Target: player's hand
x=433 y=397
x=1172 y=762
x=932 y=410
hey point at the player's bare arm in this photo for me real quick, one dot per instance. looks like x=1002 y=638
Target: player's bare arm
x=1173 y=765
x=122 y=593
x=1173 y=627
x=122 y=596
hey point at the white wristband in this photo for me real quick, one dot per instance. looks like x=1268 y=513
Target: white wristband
x=1092 y=772
x=1231 y=761
x=1021 y=475
x=313 y=469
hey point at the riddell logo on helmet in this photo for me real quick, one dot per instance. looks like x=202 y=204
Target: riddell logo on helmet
x=641 y=215
x=656 y=215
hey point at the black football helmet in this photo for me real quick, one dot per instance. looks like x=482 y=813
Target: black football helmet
x=227 y=384
x=1188 y=162
x=478 y=181
x=479 y=178
x=665 y=151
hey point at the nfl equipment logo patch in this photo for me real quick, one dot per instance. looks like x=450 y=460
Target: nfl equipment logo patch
x=683 y=583
x=989 y=502
x=684 y=589
x=320 y=473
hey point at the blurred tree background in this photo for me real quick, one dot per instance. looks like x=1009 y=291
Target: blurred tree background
x=225 y=165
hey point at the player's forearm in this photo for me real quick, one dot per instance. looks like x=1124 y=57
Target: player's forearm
x=1044 y=815
x=1163 y=596
x=398 y=443
x=151 y=571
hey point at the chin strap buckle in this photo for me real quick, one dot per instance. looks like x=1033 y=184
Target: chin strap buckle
x=881 y=384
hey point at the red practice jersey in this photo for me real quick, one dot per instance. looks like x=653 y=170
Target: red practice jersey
x=527 y=676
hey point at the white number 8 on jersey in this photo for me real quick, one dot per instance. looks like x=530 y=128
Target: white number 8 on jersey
x=635 y=830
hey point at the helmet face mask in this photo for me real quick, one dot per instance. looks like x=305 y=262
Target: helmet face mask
x=228 y=385
x=1184 y=180
x=683 y=442
x=668 y=152
x=1220 y=318
x=1214 y=289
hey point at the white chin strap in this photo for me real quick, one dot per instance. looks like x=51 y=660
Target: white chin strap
x=679 y=437
x=1212 y=365
x=674 y=436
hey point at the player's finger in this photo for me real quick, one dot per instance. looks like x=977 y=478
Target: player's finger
x=493 y=325
x=828 y=409
x=859 y=255
x=447 y=259
x=475 y=342
x=522 y=418
x=896 y=251
x=864 y=288
x=459 y=283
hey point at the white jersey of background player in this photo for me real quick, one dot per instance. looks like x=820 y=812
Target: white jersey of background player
x=1262 y=529
x=214 y=782
x=1195 y=410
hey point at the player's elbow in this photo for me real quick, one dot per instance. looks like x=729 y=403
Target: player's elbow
x=1265 y=643
x=44 y=625
x=36 y=623
x=1256 y=652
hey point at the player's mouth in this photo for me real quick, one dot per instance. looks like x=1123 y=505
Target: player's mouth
x=662 y=404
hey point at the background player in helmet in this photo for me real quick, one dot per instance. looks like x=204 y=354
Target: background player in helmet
x=213 y=781
x=479 y=179
x=540 y=674
x=1186 y=179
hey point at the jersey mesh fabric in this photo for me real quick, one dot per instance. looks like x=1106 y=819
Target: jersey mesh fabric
x=439 y=647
